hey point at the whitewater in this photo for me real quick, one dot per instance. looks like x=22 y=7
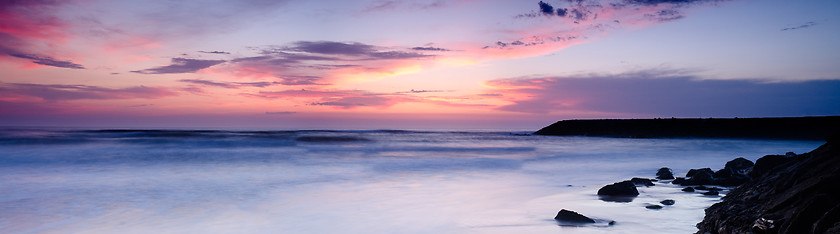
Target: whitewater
x=320 y=181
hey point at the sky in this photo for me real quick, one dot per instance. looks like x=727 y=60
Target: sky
x=392 y=64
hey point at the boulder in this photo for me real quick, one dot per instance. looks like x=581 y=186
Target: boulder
x=642 y=181
x=572 y=217
x=724 y=173
x=694 y=171
x=739 y=164
x=624 y=188
x=665 y=174
x=668 y=202
x=701 y=177
x=734 y=180
x=678 y=180
x=766 y=164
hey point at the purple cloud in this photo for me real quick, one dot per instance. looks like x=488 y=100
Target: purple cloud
x=356 y=101
x=429 y=48
x=229 y=85
x=667 y=95
x=48 y=61
x=280 y=112
x=213 y=52
x=306 y=62
x=181 y=65
x=79 y=92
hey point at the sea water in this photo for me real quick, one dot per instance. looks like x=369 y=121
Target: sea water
x=387 y=181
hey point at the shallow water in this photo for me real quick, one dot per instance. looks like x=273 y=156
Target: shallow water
x=178 y=181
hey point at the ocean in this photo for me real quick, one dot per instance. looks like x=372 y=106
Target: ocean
x=379 y=181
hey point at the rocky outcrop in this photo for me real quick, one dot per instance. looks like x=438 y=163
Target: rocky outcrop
x=787 y=194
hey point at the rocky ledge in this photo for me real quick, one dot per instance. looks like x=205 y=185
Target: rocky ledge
x=786 y=194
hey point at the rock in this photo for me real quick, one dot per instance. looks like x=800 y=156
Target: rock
x=763 y=225
x=572 y=217
x=678 y=180
x=665 y=174
x=624 y=188
x=688 y=189
x=701 y=187
x=711 y=193
x=739 y=164
x=724 y=173
x=701 y=177
x=786 y=195
x=653 y=207
x=765 y=164
x=612 y=222
x=694 y=171
x=668 y=202
x=642 y=181
x=734 y=180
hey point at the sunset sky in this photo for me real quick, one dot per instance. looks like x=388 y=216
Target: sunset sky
x=459 y=64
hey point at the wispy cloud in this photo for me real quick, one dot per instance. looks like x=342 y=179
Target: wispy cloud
x=28 y=27
x=44 y=60
x=309 y=62
x=181 y=65
x=280 y=112
x=805 y=25
x=213 y=52
x=567 y=21
x=229 y=85
x=52 y=92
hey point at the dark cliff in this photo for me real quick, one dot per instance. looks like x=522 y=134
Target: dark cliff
x=794 y=128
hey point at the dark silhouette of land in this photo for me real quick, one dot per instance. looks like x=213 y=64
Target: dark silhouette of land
x=790 y=128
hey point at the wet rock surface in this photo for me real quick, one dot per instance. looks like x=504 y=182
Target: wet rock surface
x=572 y=217
x=787 y=194
x=624 y=188
x=665 y=174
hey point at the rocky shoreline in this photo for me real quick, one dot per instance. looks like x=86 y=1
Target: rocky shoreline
x=777 y=194
x=786 y=194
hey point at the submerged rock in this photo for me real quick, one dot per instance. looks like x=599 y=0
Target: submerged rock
x=668 y=202
x=665 y=174
x=572 y=217
x=688 y=189
x=624 y=188
x=653 y=207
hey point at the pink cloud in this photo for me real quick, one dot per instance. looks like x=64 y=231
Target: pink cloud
x=53 y=93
